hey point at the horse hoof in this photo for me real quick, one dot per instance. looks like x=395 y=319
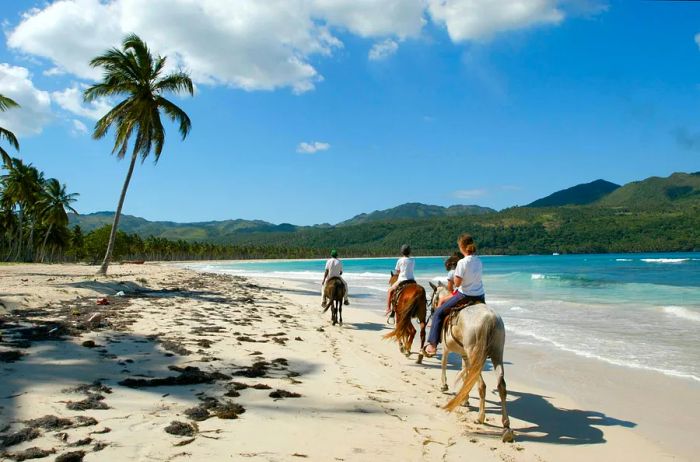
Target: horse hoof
x=402 y=350
x=420 y=359
x=507 y=436
x=443 y=388
x=481 y=419
x=407 y=353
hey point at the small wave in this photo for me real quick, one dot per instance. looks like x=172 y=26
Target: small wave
x=518 y=308
x=680 y=312
x=665 y=260
x=536 y=276
x=623 y=259
x=591 y=355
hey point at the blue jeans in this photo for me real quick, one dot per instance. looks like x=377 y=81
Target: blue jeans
x=442 y=311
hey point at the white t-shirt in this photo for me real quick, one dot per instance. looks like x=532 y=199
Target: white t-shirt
x=469 y=269
x=405 y=265
x=334 y=267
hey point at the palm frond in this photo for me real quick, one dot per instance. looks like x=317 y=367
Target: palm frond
x=176 y=115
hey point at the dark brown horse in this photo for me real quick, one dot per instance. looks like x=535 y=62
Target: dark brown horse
x=410 y=304
x=334 y=292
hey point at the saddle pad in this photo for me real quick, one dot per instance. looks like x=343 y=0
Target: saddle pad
x=399 y=289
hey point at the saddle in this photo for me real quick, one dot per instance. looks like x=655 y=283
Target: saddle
x=397 y=293
x=451 y=318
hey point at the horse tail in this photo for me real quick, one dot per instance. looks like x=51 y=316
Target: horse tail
x=403 y=322
x=477 y=359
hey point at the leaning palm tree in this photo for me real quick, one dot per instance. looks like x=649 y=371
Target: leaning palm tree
x=53 y=205
x=5 y=104
x=134 y=73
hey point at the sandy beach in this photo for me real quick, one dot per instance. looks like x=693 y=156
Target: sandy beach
x=181 y=365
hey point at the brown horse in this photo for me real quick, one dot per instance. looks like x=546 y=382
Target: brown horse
x=334 y=292
x=410 y=304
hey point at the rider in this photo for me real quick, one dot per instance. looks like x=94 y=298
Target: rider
x=334 y=268
x=450 y=266
x=404 y=269
x=467 y=279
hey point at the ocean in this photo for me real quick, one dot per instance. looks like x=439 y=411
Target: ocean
x=631 y=310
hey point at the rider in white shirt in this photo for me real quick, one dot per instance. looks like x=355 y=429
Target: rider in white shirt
x=334 y=268
x=404 y=268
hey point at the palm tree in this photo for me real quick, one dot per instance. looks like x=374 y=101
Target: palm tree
x=5 y=104
x=134 y=73
x=53 y=207
x=23 y=184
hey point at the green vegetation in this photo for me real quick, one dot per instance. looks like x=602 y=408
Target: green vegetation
x=416 y=210
x=134 y=73
x=582 y=194
x=5 y=104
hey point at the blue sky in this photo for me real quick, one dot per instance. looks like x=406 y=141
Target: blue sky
x=461 y=101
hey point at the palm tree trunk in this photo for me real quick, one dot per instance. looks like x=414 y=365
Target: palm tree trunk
x=21 y=233
x=117 y=214
x=43 y=246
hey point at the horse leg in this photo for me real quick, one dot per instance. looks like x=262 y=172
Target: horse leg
x=465 y=368
x=443 y=377
x=334 y=313
x=409 y=340
x=502 y=393
x=422 y=342
x=340 y=311
x=482 y=400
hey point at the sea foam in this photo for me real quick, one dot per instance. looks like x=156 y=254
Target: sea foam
x=681 y=312
x=665 y=260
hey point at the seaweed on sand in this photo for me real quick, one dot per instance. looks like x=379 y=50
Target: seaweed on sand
x=189 y=375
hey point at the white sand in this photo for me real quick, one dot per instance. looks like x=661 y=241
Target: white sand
x=360 y=399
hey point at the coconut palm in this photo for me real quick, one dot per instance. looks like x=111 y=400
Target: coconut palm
x=52 y=208
x=5 y=104
x=23 y=184
x=134 y=73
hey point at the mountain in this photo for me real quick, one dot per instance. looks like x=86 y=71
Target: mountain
x=207 y=230
x=582 y=194
x=416 y=210
x=679 y=189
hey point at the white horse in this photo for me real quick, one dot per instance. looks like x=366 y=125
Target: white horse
x=477 y=333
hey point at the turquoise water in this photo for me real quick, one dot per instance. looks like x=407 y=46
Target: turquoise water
x=633 y=310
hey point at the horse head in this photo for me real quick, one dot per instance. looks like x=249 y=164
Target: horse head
x=393 y=277
x=438 y=291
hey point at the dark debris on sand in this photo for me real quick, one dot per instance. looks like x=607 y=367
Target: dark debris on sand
x=87 y=388
x=189 y=375
x=284 y=394
x=74 y=456
x=53 y=423
x=20 y=436
x=258 y=369
x=93 y=401
x=31 y=453
x=182 y=428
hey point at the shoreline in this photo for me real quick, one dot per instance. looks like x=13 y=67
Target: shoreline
x=359 y=396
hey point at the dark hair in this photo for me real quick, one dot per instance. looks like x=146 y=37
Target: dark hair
x=405 y=250
x=451 y=262
x=466 y=242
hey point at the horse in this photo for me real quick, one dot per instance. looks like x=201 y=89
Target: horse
x=334 y=292
x=411 y=303
x=477 y=333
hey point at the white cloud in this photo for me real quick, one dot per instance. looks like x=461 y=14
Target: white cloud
x=35 y=105
x=249 y=44
x=312 y=147
x=481 y=19
x=71 y=99
x=382 y=50
x=469 y=193
x=78 y=128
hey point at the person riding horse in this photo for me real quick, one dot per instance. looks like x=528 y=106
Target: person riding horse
x=467 y=279
x=334 y=269
x=404 y=272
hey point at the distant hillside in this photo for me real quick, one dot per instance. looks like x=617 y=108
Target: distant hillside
x=582 y=194
x=415 y=210
x=679 y=189
x=208 y=230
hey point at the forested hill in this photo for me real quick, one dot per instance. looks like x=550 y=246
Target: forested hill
x=657 y=214
x=415 y=210
x=582 y=194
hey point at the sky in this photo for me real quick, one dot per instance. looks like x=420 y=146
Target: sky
x=313 y=111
